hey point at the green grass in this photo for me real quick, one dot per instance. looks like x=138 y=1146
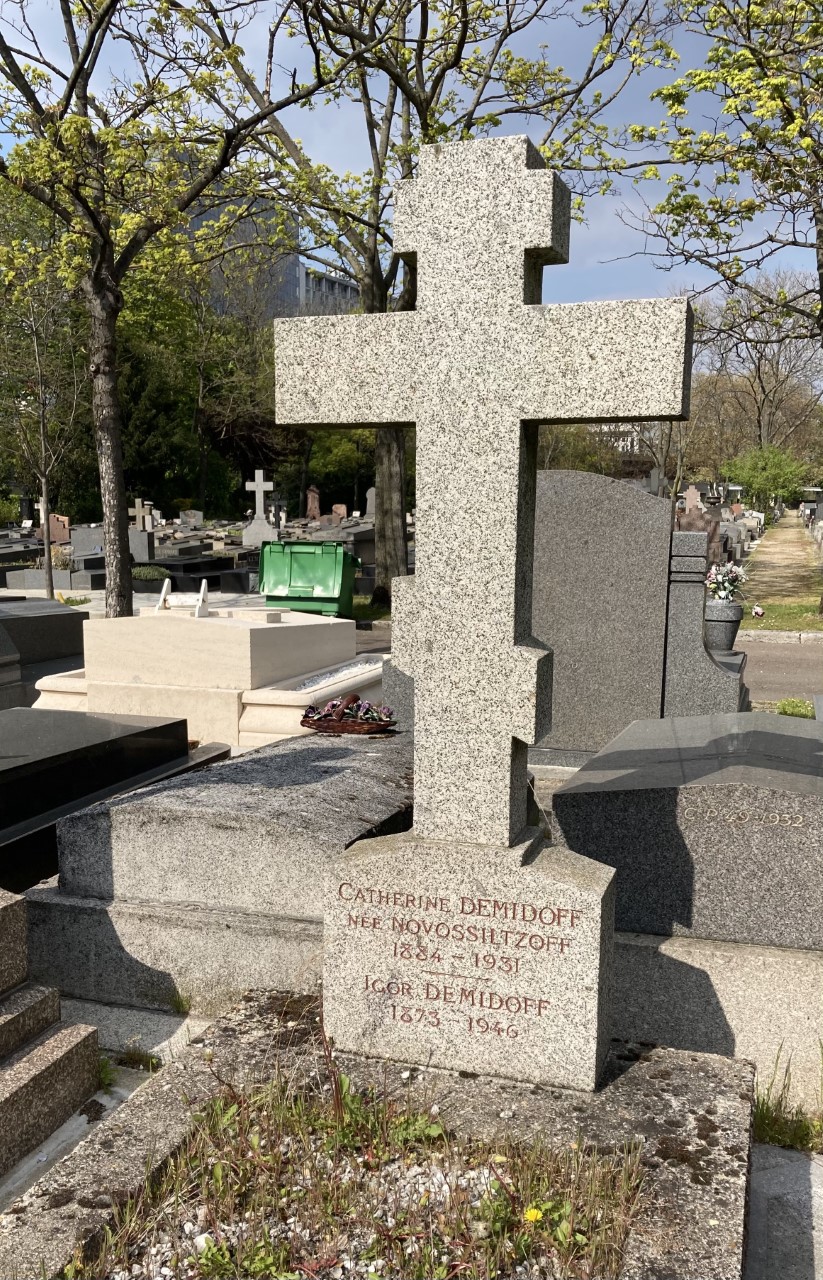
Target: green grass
x=781 y=1122
x=76 y=602
x=365 y=611
x=795 y=707
x=783 y=617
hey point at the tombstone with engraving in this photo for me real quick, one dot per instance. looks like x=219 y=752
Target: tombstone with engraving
x=468 y=943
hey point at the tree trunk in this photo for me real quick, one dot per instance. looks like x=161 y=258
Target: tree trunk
x=45 y=507
x=389 y=511
x=104 y=308
x=304 y=475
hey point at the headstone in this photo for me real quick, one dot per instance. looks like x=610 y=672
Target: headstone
x=697 y=682
x=142 y=514
x=714 y=825
x=12 y=693
x=474 y=364
x=696 y=520
x=601 y=570
x=59 y=529
x=141 y=545
x=312 y=503
x=259 y=530
x=191 y=518
x=370 y=493
x=340 y=509
x=694 y=498
x=86 y=539
x=737 y=509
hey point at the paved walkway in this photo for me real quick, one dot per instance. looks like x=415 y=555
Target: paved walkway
x=784 y=569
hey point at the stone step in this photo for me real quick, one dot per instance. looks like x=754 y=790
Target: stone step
x=13 y=952
x=41 y=1085
x=24 y=1013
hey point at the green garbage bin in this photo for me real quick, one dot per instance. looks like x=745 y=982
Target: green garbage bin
x=315 y=577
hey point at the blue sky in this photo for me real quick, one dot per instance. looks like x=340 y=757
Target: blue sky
x=607 y=256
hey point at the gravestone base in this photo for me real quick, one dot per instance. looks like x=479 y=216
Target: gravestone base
x=471 y=957
x=258 y=532
x=150 y=954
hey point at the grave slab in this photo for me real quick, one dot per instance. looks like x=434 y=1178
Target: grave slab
x=714 y=824
x=12 y=693
x=49 y=758
x=139 y=913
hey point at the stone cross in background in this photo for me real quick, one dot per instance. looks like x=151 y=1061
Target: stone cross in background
x=141 y=511
x=476 y=367
x=259 y=487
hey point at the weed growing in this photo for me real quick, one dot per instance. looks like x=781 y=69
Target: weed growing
x=781 y=1122
x=320 y=1179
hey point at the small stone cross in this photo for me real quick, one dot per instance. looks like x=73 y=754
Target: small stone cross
x=142 y=514
x=259 y=487
x=476 y=367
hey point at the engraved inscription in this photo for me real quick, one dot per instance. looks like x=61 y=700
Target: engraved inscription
x=479 y=962
x=739 y=817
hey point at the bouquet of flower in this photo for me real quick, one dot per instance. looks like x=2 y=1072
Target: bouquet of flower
x=725 y=580
x=356 y=710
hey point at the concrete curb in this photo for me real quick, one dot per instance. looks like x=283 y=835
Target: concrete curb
x=782 y=637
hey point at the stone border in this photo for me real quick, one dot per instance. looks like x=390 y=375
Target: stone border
x=691 y=1112
x=782 y=637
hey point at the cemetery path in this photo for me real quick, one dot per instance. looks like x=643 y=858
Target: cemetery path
x=784 y=568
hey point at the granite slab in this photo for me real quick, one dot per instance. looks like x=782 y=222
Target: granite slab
x=48 y=758
x=714 y=824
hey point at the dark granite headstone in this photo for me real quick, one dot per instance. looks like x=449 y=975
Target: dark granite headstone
x=601 y=565
x=714 y=823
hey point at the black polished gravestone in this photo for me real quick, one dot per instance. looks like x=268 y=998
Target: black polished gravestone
x=54 y=762
x=714 y=823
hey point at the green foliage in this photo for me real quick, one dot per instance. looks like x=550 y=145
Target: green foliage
x=9 y=511
x=796 y=707
x=149 y=572
x=320 y=1151
x=106 y=1073
x=578 y=447
x=749 y=184
x=767 y=474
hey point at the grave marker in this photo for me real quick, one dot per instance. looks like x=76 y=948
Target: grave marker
x=476 y=367
x=259 y=530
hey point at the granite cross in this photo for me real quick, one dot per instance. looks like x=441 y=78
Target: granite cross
x=259 y=487
x=475 y=368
